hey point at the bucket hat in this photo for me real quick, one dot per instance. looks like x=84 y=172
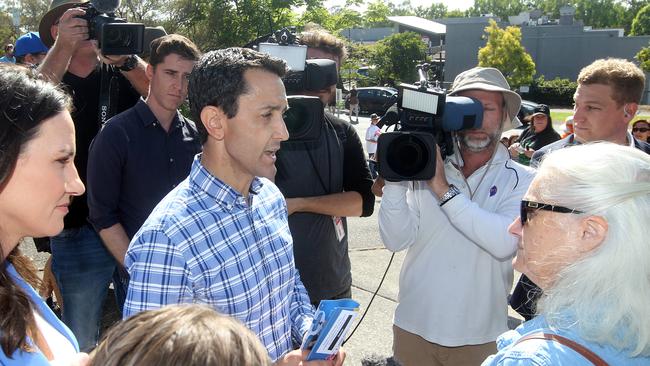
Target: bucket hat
x=29 y=43
x=489 y=79
x=57 y=8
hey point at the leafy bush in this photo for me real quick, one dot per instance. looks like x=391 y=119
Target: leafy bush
x=556 y=92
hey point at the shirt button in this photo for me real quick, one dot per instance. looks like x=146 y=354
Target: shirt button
x=171 y=160
x=154 y=124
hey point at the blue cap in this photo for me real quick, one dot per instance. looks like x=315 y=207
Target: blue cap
x=29 y=43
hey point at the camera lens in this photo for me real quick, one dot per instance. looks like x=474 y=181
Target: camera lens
x=408 y=155
x=116 y=37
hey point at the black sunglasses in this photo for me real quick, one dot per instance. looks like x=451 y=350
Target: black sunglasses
x=527 y=206
x=640 y=129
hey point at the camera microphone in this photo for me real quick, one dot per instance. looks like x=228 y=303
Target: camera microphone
x=105 y=6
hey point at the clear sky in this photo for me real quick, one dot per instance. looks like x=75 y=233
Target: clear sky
x=451 y=4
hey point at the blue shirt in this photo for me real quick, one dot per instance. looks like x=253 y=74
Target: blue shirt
x=204 y=243
x=11 y=60
x=36 y=358
x=133 y=163
x=546 y=352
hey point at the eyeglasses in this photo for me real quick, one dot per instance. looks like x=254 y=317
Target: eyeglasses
x=527 y=206
x=640 y=129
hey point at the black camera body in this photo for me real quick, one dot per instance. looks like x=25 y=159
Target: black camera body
x=115 y=35
x=426 y=117
x=306 y=113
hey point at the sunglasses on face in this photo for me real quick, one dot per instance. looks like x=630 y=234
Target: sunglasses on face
x=527 y=206
x=640 y=129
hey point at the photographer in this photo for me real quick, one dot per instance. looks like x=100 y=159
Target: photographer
x=457 y=272
x=324 y=182
x=81 y=264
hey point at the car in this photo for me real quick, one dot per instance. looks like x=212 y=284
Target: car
x=376 y=99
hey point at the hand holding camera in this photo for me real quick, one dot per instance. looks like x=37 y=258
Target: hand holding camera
x=72 y=29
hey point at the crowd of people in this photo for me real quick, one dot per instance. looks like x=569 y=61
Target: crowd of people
x=221 y=208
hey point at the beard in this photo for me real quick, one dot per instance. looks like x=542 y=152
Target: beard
x=475 y=144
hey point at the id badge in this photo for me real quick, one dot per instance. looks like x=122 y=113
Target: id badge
x=338 y=227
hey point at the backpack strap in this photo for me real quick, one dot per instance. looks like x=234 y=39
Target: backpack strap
x=582 y=350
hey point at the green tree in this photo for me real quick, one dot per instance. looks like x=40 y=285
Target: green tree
x=600 y=13
x=644 y=58
x=217 y=24
x=7 y=31
x=31 y=12
x=641 y=23
x=500 y=8
x=435 y=11
x=395 y=57
x=376 y=15
x=504 y=52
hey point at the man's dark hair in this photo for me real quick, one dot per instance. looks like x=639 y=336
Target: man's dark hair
x=173 y=43
x=218 y=80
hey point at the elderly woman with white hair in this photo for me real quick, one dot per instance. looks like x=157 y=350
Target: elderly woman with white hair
x=582 y=239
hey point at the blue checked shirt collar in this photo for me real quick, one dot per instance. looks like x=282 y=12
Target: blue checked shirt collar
x=224 y=195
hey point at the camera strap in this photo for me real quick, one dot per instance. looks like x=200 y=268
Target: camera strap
x=108 y=91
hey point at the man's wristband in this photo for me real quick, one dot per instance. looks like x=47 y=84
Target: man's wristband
x=129 y=64
x=451 y=193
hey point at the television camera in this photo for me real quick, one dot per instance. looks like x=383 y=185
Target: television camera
x=115 y=35
x=425 y=117
x=305 y=114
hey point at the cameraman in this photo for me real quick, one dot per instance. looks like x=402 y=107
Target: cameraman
x=83 y=267
x=324 y=182
x=457 y=273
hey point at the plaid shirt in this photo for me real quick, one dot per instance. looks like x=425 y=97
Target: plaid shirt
x=204 y=243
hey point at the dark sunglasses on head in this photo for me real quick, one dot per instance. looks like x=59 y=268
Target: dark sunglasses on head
x=640 y=129
x=527 y=206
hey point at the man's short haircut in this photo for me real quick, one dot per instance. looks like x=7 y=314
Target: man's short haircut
x=218 y=80
x=173 y=43
x=625 y=78
x=315 y=37
x=189 y=335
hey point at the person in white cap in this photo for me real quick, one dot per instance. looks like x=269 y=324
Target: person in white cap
x=457 y=272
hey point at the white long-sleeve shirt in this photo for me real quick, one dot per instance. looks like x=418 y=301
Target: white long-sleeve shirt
x=457 y=273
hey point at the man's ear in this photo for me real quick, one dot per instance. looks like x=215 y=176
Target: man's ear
x=213 y=118
x=594 y=231
x=149 y=72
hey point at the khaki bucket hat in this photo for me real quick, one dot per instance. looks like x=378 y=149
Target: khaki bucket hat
x=57 y=8
x=489 y=79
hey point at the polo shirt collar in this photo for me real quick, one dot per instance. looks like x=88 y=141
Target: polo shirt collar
x=148 y=118
x=224 y=195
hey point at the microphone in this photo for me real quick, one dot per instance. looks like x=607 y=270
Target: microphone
x=376 y=360
x=105 y=6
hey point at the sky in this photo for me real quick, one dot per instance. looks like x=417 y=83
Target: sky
x=451 y=4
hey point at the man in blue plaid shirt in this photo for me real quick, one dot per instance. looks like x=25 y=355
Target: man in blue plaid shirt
x=222 y=237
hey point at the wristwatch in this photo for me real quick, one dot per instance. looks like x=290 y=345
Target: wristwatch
x=129 y=64
x=451 y=193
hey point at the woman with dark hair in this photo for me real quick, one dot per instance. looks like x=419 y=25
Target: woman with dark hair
x=539 y=133
x=37 y=181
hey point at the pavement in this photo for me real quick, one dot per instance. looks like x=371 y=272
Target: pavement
x=369 y=263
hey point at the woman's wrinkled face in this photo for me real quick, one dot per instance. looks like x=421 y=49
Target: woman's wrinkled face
x=37 y=194
x=546 y=240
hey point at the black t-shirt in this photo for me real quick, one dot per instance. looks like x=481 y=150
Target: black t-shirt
x=85 y=94
x=333 y=164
